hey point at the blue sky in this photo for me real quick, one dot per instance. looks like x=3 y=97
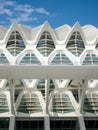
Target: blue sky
x=57 y=12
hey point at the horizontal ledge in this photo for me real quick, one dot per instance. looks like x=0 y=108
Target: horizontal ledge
x=51 y=72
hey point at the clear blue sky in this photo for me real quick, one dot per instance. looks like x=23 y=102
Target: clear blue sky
x=57 y=12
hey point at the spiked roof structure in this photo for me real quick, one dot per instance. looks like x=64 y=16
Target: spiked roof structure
x=49 y=77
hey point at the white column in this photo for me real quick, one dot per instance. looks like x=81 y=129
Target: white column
x=83 y=95
x=47 y=84
x=12 y=123
x=46 y=123
x=11 y=88
x=81 y=122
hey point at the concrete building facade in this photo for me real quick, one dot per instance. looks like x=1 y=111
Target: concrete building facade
x=49 y=77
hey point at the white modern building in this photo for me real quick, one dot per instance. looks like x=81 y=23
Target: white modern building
x=49 y=77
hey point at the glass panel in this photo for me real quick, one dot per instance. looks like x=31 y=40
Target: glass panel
x=91 y=103
x=30 y=104
x=45 y=45
x=29 y=125
x=90 y=59
x=63 y=124
x=30 y=58
x=15 y=43
x=75 y=44
x=61 y=58
x=91 y=124
x=61 y=104
x=3 y=59
x=3 y=104
x=4 y=123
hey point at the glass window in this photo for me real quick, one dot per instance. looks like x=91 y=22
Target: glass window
x=29 y=124
x=90 y=59
x=63 y=124
x=29 y=104
x=91 y=103
x=61 y=104
x=45 y=45
x=91 y=124
x=61 y=58
x=3 y=59
x=4 y=123
x=3 y=104
x=15 y=43
x=29 y=58
x=75 y=44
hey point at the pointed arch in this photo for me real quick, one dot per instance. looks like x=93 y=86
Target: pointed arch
x=61 y=58
x=46 y=44
x=29 y=58
x=75 y=41
x=90 y=59
x=15 y=43
x=75 y=44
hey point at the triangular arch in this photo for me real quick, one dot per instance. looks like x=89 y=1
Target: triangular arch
x=29 y=58
x=76 y=41
x=61 y=58
x=90 y=59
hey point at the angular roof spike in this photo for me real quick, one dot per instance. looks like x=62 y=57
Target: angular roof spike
x=14 y=23
x=77 y=24
x=46 y=23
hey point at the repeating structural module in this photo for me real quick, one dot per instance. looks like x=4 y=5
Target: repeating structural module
x=49 y=77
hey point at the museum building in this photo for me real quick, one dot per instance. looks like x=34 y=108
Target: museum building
x=49 y=77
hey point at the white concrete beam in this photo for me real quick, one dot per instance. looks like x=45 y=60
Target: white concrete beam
x=52 y=72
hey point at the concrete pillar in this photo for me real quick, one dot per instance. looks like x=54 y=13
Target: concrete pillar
x=47 y=84
x=46 y=123
x=81 y=123
x=12 y=123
